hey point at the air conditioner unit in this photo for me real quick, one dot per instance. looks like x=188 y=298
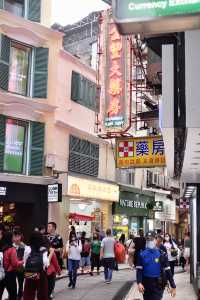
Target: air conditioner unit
x=50 y=161
x=161 y=181
x=149 y=178
x=155 y=179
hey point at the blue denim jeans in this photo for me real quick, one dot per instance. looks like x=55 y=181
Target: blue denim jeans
x=73 y=266
x=108 y=274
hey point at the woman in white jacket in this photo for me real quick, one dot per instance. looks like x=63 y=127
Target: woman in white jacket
x=172 y=251
x=73 y=249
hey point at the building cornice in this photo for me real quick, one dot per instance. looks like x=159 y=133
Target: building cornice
x=23 y=107
x=8 y=18
x=82 y=134
x=42 y=180
x=66 y=55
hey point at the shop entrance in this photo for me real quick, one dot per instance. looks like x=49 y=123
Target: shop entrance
x=17 y=214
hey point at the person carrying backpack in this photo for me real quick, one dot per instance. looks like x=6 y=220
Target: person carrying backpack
x=10 y=265
x=36 y=263
x=22 y=251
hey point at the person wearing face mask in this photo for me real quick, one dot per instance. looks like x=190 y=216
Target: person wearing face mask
x=153 y=271
x=73 y=248
x=172 y=251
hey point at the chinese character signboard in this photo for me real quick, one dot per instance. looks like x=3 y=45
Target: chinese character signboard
x=141 y=152
x=156 y=16
x=115 y=80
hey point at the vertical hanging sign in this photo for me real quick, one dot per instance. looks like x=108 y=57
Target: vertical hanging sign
x=115 y=79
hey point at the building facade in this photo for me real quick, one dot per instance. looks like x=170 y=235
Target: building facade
x=27 y=70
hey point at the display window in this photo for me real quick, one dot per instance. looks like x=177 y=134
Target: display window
x=15 y=141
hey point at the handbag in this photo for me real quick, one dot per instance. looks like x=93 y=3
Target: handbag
x=130 y=251
x=174 y=251
x=65 y=253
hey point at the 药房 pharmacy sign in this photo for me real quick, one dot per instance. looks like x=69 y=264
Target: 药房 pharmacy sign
x=156 y=16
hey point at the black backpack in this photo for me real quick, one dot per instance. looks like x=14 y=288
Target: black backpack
x=20 y=253
x=34 y=263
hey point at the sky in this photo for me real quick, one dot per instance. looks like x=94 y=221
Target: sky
x=67 y=12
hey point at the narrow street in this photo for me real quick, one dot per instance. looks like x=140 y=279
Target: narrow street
x=90 y=288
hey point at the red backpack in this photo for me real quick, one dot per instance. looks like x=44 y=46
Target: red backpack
x=120 y=253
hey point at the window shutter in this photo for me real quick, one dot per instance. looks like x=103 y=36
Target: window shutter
x=2 y=140
x=1 y=4
x=34 y=10
x=4 y=61
x=37 y=148
x=75 y=86
x=40 y=81
x=83 y=157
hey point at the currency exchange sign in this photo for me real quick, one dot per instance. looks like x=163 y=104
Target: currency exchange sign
x=156 y=16
x=142 y=152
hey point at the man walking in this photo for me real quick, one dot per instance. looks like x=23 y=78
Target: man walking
x=108 y=255
x=56 y=243
x=140 y=243
x=153 y=271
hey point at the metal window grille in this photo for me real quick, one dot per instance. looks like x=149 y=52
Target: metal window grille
x=83 y=157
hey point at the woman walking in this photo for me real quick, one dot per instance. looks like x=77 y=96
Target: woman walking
x=73 y=248
x=36 y=263
x=130 y=249
x=95 y=253
x=172 y=251
x=10 y=263
x=186 y=253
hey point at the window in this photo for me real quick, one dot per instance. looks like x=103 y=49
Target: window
x=19 y=69
x=84 y=91
x=15 y=140
x=29 y=9
x=83 y=157
x=94 y=56
x=21 y=146
x=23 y=69
x=15 y=6
x=126 y=176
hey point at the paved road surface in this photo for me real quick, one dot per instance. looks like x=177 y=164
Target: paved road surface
x=94 y=288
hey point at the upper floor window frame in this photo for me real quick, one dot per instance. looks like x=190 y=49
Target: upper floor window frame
x=31 y=9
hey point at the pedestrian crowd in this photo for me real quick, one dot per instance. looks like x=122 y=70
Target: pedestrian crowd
x=28 y=271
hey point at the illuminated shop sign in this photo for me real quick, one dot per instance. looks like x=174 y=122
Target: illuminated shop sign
x=80 y=187
x=145 y=16
x=115 y=97
x=140 y=152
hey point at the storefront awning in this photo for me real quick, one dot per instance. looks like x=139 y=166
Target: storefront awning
x=77 y=217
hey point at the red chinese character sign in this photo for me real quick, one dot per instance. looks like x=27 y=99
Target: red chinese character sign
x=143 y=152
x=115 y=78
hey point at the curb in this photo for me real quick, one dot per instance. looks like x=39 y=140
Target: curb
x=121 y=294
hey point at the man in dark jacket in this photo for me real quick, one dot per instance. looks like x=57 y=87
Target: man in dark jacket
x=140 y=244
x=153 y=271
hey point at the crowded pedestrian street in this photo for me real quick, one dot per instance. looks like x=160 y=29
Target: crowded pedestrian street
x=99 y=150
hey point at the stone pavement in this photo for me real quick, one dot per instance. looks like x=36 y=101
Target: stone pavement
x=94 y=288
x=185 y=290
